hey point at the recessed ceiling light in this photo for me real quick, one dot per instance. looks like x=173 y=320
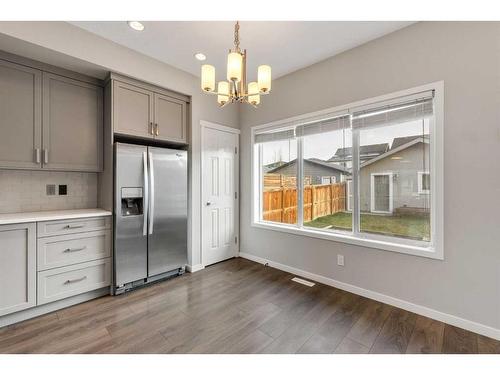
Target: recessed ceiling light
x=200 y=56
x=136 y=25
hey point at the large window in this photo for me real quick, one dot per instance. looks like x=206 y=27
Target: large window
x=368 y=174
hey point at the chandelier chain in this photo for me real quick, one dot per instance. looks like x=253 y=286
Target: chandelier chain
x=237 y=36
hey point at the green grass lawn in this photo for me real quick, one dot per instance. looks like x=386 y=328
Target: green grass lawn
x=408 y=226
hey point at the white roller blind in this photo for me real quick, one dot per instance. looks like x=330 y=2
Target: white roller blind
x=394 y=113
x=323 y=126
x=275 y=136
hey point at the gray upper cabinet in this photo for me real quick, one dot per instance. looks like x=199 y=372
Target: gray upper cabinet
x=72 y=124
x=132 y=110
x=47 y=120
x=147 y=111
x=170 y=118
x=17 y=267
x=20 y=116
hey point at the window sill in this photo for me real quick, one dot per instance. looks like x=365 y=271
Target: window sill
x=427 y=252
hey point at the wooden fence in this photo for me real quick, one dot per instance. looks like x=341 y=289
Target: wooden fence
x=280 y=204
x=273 y=181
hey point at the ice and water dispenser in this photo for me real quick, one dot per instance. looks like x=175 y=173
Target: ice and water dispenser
x=132 y=201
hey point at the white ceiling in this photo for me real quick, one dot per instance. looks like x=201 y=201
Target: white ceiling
x=286 y=46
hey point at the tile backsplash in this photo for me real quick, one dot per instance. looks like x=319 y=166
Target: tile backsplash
x=22 y=191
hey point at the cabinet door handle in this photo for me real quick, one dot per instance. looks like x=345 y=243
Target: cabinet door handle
x=75 y=280
x=37 y=155
x=70 y=250
x=69 y=226
x=45 y=156
x=151 y=127
x=157 y=129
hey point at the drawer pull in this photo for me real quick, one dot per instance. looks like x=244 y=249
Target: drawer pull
x=69 y=226
x=69 y=250
x=75 y=280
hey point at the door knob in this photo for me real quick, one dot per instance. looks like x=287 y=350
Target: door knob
x=209 y=203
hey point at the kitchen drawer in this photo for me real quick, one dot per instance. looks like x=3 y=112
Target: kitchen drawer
x=55 y=228
x=63 y=282
x=59 y=251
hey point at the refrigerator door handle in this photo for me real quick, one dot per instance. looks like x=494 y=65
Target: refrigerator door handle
x=152 y=195
x=146 y=195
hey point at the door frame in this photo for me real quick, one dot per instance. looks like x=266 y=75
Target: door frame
x=224 y=128
x=372 y=192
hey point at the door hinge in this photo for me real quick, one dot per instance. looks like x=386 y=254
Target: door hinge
x=235 y=195
x=235 y=240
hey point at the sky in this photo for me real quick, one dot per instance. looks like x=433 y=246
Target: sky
x=324 y=146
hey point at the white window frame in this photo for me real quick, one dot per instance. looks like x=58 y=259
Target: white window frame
x=372 y=192
x=420 y=184
x=434 y=249
x=349 y=194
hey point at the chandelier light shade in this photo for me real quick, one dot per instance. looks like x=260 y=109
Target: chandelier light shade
x=235 y=89
x=223 y=93
x=264 y=78
x=234 y=66
x=253 y=93
x=207 y=78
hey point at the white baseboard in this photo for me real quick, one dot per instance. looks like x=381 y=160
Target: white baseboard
x=194 y=268
x=405 y=305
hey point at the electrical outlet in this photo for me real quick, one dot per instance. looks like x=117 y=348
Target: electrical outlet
x=50 y=189
x=63 y=189
x=340 y=260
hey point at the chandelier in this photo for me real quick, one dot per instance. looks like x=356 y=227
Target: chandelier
x=235 y=89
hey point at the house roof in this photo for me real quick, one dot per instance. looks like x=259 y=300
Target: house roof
x=375 y=149
x=402 y=140
x=311 y=161
x=394 y=150
x=274 y=165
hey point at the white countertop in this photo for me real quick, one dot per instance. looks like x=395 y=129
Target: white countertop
x=28 y=217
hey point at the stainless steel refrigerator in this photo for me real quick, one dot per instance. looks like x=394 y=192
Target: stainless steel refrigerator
x=150 y=235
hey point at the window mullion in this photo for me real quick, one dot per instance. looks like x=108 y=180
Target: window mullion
x=261 y=183
x=300 y=183
x=355 y=182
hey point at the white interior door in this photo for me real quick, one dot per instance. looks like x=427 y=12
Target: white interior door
x=219 y=194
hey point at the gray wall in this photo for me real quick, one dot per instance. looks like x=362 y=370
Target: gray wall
x=60 y=43
x=466 y=57
x=405 y=185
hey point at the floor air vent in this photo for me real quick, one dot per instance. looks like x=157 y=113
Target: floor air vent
x=302 y=281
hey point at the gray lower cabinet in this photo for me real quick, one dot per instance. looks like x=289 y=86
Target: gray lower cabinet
x=72 y=124
x=132 y=110
x=17 y=267
x=74 y=257
x=20 y=116
x=49 y=261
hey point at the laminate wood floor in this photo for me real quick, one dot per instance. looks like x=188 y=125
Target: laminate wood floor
x=238 y=306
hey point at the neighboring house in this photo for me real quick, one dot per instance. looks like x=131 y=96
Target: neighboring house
x=272 y=166
x=318 y=170
x=398 y=178
x=343 y=156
